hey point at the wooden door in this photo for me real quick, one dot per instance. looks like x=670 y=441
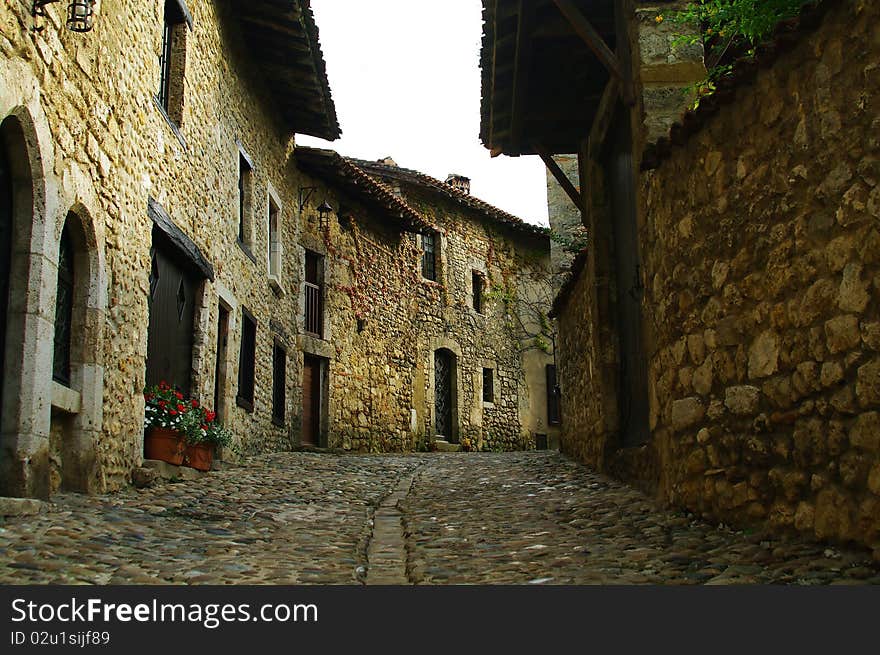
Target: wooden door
x=5 y=251
x=312 y=371
x=633 y=375
x=172 y=309
x=443 y=399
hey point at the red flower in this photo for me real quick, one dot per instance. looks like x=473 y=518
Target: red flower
x=162 y=404
x=181 y=407
x=163 y=385
x=210 y=416
x=205 y=427
x=195 y=403
x=172 y=412
x=148 y=396
x=179 y=395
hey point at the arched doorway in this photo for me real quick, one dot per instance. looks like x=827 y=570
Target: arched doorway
x=5 y=256
x=445 y=400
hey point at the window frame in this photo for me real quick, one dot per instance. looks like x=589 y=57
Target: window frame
x=317 y=284
x=491 y=386
x=176 y=21
x=429 y=255
x=275 y=248
x=478 y=284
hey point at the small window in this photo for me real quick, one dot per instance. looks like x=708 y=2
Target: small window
x=477 y=291
x=246 y=361
x=314 y=294
x=488 y=385
x=63 y=310
x=429 y=256
x=172 y=61
x=274 y=240
x=245 y=182
x=553 y=412
x=279 y=383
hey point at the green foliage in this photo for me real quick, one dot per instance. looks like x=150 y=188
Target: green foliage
x=572 y=243
x=727 y=27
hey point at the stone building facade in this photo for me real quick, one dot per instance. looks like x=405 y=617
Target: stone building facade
x=157 y=150
x=756 y=241
x=156 y=225
x=389 y=323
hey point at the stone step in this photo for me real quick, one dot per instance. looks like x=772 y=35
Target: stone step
x=443 y=446
x=22 y=506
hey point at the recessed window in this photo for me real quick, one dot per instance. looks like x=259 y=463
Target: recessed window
x=246 y=361
x=477 y=291
x=279 y=383
x=488 y=385
x=429 y=256
x=64 y=310
x=554 y=416
x=245 y=190
x=274 y=240
x=314 y=294
x=172 y=61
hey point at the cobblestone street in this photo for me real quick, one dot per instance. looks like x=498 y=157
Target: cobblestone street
x=298 y=518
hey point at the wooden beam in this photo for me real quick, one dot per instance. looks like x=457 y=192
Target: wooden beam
x=561 y=177
x=522 y=59
x=584 y=181
x=604 y=115
x=591 y=37
x=624 y=56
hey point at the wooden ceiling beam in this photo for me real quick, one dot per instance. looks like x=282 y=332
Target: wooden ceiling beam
x=522 y=61
x=576 y=197
x=604 y=115
x=590 y=37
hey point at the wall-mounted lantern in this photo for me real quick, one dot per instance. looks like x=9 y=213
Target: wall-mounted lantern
x=80 y=14
x=324 y=212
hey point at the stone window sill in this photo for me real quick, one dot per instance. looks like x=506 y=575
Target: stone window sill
x=275 y=285
x=246 y=250
x=488 y=405
x=245 y=404
x=174 y=128
x=65 y=399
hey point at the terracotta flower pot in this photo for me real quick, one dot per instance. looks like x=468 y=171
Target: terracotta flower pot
x=164 y=444
x=199 y=456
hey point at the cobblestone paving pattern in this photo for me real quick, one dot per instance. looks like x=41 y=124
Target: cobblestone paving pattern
x=542 y=518
x=300 y=518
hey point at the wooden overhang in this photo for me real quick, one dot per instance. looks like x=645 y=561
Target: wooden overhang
x=407 y=175
x=545 y=68
x=283 y=38
x=343 y=174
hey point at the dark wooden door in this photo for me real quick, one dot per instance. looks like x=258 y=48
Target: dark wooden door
x=633 y=375
x=311 y=432
x=443 y=399
x=5 y=251
x=172 y=308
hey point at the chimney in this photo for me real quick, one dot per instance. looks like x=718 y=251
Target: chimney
x=387 y=161
x=460 y=182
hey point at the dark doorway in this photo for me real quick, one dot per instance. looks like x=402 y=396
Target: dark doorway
x=172 y=308
x=444 y=396
x=633 y=377
x=312 y=389
x=220 y=367
x=5 y=251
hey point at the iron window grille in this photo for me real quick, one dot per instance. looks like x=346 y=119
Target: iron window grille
x=313 y=288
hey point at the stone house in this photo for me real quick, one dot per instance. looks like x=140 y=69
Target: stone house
x=431 y=323
x=718 y=333
x=156 y=224
x=147 y=193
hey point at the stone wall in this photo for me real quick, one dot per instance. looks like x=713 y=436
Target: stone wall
x=759 y=241
x=381 y=392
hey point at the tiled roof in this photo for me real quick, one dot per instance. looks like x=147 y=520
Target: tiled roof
x=343 y=173
x=744 y=70
x=387 y=171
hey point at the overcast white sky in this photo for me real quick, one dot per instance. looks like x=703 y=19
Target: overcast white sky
x=405 y=79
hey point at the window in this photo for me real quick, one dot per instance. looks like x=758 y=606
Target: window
x=63 y=310
x=477 y=291
x=488 y=385
x=172 y=61
x=245 y=182
x=429 y=256
x=553 y=411
x=246 y=360
x=274 y=240
x=314 y=294
x=279 y=383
